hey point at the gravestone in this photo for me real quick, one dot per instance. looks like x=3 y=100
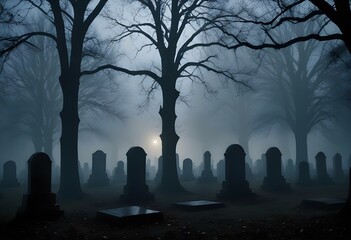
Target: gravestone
x=339 y=175
x=221 y=170
x=130 y=214
x=207 y=175
x=98 y=176
x=9 y=176
x=136 y=189
x=199 y=205
x=86 y=171
x=322 y=177
x=304 y=174
x=324 y=203
x=289 y=171
x=158 y=176
x=235 y=184
x=187 y=174
x=248 y=172
x=119 y=173
x=39 y=202
x=274 y=180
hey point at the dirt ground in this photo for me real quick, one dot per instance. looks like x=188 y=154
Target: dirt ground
x=269 y=216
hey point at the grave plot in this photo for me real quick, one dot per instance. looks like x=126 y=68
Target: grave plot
x=324 y=203
x=199 y=205
x=130 y=214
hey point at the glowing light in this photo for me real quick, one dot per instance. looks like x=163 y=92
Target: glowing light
x=154 y=142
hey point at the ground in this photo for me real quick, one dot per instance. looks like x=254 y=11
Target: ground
x=269 y=216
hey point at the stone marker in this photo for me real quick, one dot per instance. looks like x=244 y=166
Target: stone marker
x=158 y=176
x=235 y=184
x=86 y=171
x=119 y=173
x=274 y=180
x=304 y=175
x=321 y=168
x=221 y=170
x=136 y=189
x=199 y=205
x=39 y=202
x=289 y=170
x=207 y=175
x=9 y=176
x=324 y=203
x=339 y=175
x=187 y=174
x=130 y=214
x=98 y=177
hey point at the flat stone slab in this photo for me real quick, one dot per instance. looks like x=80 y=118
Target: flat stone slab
x=324 y=203
x=130 y=214
x=199 y=205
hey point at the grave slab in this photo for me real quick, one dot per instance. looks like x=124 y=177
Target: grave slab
x=199 y=205
x=130 y=214
x=324 y=203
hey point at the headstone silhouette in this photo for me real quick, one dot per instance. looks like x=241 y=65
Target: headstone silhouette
x=86 y=171
x=289 y=171
x=207 y=175
x=39 y=202
x=136 y=189
x=274 y=180
x=339 y=175
x=221 y=170
x=235 y=184
x=304 y=178
x=248 y=172
x=187 y=174
x=119 y=173
x=158 y=176
x=9 y=176
x=98 y=177
x=321 y=169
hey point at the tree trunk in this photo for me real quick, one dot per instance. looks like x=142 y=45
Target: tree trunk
x=169 y=181
x=69 y=177
x=301 y=148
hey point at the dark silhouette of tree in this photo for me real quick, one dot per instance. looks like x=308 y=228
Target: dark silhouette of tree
x=266 y=16
x=36 y=94
x=299 y=88
x=71 y=21
x=180 y=31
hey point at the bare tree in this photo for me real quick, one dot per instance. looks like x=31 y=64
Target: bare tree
x=181 y=32
x=71 y=21
x=36 y=94
x=297 y=84
x=264 y=17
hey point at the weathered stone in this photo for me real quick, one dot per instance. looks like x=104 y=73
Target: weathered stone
x=207 y=175
x=274 y=180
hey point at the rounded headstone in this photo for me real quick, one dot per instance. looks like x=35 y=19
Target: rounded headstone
x=39 y=174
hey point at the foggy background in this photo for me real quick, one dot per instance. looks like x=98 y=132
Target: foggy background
x=206 y=121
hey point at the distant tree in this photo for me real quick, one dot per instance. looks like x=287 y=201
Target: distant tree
x=298 y=87
x=71 y=21
x=36 y=97
x=181 y=32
